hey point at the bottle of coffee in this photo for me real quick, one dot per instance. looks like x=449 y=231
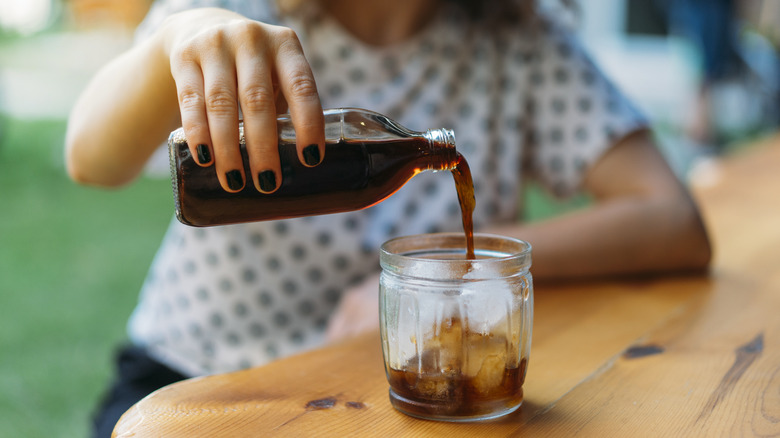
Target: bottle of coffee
x=368 y=157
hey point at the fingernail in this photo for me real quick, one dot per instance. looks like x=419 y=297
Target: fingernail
x=267 y=180
x=235 y=180
x=204 y=155
x=311 y=155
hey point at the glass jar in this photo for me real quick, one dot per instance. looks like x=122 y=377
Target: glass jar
x=456 y=333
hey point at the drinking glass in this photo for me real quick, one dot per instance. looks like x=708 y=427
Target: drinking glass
x=456 y=332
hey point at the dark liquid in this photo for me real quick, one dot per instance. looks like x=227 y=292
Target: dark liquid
x=352 y=176
x=437 y=394
x=459 y=374
x=465 y=188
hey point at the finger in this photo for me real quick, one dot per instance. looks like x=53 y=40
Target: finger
x=221 y=102
x=189 y=88
x=300 y=91
x=256 y=96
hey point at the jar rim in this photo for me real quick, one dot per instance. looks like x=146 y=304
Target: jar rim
x=416 y=256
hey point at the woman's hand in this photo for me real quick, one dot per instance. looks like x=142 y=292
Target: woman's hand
x=358 y=311
x=197 y=70
x=221 y=61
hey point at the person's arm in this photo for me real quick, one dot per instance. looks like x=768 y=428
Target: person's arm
x=198 y=68
x=122 y=116
x=642 y=221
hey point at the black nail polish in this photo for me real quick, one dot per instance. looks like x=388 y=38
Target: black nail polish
x=267 y=180
x=204 y=155
x=235 y=180
x=311 y=154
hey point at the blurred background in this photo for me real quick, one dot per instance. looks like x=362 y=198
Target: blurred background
x=72 y=258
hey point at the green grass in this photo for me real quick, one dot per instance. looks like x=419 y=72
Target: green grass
x=72 y=260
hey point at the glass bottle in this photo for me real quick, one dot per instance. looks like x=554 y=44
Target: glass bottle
x=368 y=157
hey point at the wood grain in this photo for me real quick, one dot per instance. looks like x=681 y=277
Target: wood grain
x=671 y=356
x=719 y=373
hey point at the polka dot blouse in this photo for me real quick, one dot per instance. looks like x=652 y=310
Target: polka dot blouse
x=523 y=104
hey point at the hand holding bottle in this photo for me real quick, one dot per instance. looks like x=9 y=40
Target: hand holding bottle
x=221 y=61
x=197 y=70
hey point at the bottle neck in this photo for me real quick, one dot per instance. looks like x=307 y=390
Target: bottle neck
x=443 y=155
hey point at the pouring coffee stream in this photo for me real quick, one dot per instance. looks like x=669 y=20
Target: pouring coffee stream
x=464 y=185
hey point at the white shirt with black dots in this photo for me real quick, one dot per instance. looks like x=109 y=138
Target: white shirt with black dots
x=523 y=105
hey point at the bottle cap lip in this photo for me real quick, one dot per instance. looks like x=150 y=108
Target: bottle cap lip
x=442 y=143
x=442 y=137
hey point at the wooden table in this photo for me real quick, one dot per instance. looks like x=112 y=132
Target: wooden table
x=673 y=356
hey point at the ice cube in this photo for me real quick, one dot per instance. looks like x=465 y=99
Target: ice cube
x=490 y=375
x=434 y=386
